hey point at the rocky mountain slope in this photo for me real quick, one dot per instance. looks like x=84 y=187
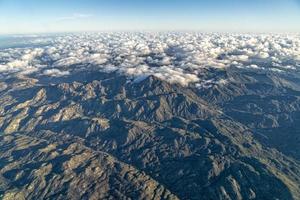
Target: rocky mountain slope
x=268 y=103
x=97 y=135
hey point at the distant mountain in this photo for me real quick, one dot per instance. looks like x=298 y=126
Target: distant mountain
x=266 y=102
x=100 y=135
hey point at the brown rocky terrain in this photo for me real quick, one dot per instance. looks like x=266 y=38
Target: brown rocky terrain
x=96 y=135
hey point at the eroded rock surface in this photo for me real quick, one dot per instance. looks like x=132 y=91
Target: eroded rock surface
x=97 y=135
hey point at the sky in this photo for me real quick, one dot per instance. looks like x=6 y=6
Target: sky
x=41 y=16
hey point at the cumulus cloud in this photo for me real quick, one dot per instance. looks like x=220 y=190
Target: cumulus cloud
x=55 y=72
x=25 y=62
x=74 y=16
x=67 y=61
x=175 y=57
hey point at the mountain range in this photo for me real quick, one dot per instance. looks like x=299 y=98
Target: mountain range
x=101 y=135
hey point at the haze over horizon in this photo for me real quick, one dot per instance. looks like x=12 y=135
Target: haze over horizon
x=32 y=16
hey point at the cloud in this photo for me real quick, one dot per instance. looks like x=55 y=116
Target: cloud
x=175 y=57
x=67 y=61
x=55 y=72
x=26 y=60
x=74 y=16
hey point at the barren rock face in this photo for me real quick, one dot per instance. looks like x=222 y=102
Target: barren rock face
x=104 y=137
x=70 y=170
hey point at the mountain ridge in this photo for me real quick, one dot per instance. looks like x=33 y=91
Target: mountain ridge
x=166 y=132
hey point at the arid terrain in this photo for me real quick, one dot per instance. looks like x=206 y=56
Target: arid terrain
x=86 y=129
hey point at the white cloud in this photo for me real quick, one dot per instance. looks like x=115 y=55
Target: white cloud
x=55 y=72
x=174 y=57
x=26 y=60
x=67 y=61
x=74 y=16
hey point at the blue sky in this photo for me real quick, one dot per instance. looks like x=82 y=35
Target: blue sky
x=39 y=16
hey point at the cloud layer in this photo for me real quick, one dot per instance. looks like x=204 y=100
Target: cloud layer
x=175 y=57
